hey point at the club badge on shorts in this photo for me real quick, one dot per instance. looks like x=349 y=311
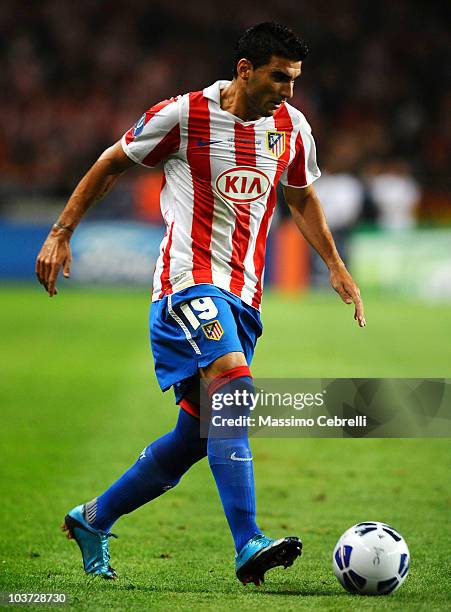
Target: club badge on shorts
x=275 y=143
x=213 y=330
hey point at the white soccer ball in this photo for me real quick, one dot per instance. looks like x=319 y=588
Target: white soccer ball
x=371 y=558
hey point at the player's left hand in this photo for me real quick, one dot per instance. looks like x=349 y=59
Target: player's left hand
x=344 y=285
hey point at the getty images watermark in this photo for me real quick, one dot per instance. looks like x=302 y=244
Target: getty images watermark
x=329 y=408
x=251 y=400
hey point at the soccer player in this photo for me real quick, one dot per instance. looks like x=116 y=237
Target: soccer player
x=223 y=149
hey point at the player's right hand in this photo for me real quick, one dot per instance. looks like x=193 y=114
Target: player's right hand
x=55 y=253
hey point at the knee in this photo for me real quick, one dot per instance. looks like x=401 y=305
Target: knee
x=223 y=364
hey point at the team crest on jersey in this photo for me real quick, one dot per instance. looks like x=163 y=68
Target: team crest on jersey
x=213 y=330
x=275 y=143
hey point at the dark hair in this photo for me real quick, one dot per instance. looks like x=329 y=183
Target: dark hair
x=264 y=40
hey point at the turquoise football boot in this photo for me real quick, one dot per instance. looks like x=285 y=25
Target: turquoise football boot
x=93 y=543
x=261 y=554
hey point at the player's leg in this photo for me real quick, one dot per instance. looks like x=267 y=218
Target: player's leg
x=229 y=455
x=221 y=333
x=158 y=468
x=231 y=462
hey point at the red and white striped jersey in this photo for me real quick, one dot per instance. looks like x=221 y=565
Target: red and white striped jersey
x=219 y=191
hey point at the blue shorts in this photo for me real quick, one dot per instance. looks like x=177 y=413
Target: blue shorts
x=193 y=327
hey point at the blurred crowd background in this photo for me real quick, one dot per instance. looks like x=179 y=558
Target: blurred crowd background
x=376 y=85
x=376 y=89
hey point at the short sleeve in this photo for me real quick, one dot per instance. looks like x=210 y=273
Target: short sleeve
x=302 y=169
x=155 y=136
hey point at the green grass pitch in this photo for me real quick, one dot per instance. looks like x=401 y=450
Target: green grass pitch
x=79 y=401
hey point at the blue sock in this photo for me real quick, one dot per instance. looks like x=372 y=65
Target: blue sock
x=158 y=468
x=230 y=460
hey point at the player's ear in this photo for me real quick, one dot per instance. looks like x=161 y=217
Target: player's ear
x=244 y=68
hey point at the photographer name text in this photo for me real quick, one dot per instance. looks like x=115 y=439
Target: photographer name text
x=292 y=421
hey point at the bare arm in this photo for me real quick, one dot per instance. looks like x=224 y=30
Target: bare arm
x=97 y=182
x=308 y=215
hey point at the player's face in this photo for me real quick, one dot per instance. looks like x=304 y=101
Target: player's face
x=270 y=85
